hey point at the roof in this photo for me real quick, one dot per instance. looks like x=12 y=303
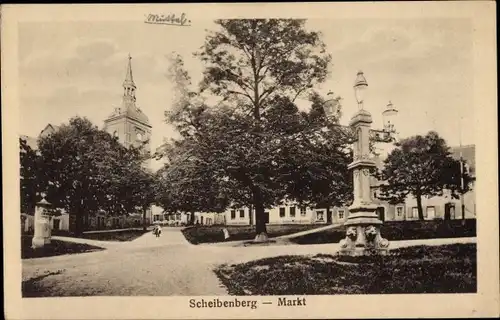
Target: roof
x=130 y=111
x=33 y=142
x=129 y=79
x=49 y=128
x=129 y=108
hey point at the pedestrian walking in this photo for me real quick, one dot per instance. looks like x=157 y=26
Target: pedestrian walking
x=158 y=231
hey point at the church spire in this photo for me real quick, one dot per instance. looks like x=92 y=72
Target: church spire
x=128 y=84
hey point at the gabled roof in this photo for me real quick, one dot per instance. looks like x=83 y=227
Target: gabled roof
x=49 y=128
x=33 y=142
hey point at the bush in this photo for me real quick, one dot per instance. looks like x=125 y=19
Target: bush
x=210 y=234
x=122 y=235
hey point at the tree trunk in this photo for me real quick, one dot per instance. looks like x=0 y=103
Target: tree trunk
x=419 y=207
x=191 y=218
x=250 y=216
x=79 y=222
x=260 y=223
x=144 y=225
x=328 y=215
x=260 y=218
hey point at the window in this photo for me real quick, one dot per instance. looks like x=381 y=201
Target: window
x=303 y=211
x=233 y=214
x=430 y=212
x=292 y=211
x=242 y=213
x=341 y=214
x=452 y=212
x=319 y=215
x=282 y=212
x=414 y=212
x=399 y=211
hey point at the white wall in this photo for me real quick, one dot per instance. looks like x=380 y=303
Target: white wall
x=439 y=206
x=63 y=222
x=311 y=216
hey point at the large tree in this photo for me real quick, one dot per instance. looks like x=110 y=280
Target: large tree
x=422 y=166
x=86 y=170
x=259 y=67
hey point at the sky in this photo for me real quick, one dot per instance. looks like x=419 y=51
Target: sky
x=424 y=67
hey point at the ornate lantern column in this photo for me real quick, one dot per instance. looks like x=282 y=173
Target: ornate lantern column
x=363 y=224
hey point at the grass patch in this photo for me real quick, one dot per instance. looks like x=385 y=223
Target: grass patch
x=422 y=269
x=119 y=236
x=31 y=289
x=211 y=234
x=401 y=230
x=55 y=248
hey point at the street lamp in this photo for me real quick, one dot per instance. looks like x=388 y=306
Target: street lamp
x=360 y=86
x=363 y=224
x=389 y=113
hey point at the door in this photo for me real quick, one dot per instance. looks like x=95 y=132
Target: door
x=449 y=211
x=57 y=224
x=329 y=217
x=201 y=219
x=381 y=213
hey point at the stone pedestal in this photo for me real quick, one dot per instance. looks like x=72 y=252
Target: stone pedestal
x=363 y=225
x=42 y=226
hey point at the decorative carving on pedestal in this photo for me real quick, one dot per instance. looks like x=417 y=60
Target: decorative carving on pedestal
x=363 y=240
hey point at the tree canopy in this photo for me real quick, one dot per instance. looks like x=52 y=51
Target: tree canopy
x=85 y=170
x=422 y=166
x=255 y=143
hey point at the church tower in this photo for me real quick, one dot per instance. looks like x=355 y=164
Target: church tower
x=128 y=122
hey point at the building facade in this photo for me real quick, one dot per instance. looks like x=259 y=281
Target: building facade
x=439 y=207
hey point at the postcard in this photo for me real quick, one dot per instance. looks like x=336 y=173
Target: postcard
x=307 y=160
